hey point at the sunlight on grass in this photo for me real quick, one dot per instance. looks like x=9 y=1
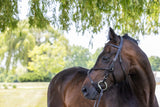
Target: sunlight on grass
x=24 y=95
x=30 y=94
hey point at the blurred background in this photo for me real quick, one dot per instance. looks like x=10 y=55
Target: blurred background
x=40 y=38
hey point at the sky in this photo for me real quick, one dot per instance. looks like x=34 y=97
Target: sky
x=150 y=44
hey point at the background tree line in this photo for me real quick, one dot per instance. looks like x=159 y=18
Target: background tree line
x=155 y=63
x=33 y=54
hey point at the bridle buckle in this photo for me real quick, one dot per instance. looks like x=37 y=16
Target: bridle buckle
x=99 y=86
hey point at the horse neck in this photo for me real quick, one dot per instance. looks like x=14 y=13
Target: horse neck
x=142 y=80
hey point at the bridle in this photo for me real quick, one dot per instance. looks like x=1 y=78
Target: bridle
x=109 y=70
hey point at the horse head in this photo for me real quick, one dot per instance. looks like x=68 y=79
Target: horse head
x=112 y=66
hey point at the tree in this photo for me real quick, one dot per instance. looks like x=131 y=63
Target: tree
x=8 y=14
x=93 y=58
x=132 y=16
x=77 y=56
x=155 y=63
x=48 y=57
x=17 y=43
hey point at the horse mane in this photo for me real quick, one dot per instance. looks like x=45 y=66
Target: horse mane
x=125 y=36
x=147 y=75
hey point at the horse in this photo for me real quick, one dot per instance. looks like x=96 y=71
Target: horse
x=121 y=77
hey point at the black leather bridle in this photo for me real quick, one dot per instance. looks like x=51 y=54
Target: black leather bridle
x=109 y=70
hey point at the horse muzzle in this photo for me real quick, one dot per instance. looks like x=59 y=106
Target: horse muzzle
x=90 y=92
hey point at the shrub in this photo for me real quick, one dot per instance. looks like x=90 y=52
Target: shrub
x=2 y=77
x=11 y=78
x=14 y=86
x=5 y=86
x=34 y=77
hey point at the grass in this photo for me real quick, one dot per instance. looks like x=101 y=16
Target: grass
x=29 y=94
x=24 y=95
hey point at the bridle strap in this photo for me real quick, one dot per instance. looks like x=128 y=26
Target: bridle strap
x=119 y=49
x=110 y=69
x=96 y=104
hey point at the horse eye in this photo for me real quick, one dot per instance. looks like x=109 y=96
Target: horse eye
x=106 y=59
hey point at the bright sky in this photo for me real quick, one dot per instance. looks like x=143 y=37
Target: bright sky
x=149 y=44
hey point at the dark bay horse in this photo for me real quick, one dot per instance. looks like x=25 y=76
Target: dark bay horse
x=121 y=77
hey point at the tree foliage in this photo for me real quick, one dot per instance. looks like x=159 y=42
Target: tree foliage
x=41 y=53
x=80 y=56
x=93 y=58
x=16 y=44
x=49 y=57
x=132 y=16
x=8 y=14
x=77 y=56
x=155 y=63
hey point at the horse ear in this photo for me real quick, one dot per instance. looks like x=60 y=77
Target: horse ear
x=112 y=35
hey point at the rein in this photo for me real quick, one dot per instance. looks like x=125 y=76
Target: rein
x=96 y=104
x=110 y=69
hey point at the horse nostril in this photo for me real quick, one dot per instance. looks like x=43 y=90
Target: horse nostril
x=84 y=91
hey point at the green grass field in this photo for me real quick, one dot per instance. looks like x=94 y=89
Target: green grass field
x=23 y=94
x=30 y=94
